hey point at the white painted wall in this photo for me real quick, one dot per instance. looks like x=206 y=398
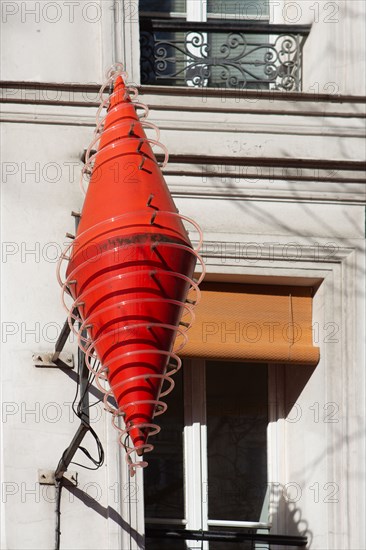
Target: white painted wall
x=42 y=40
x=35 y=215
x=335 y=50
x=320 y=211
x=75 y=41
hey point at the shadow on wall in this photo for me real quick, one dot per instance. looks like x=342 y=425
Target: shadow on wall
x=294 y=385
x=290 y=515
x=254 y=212
x=284 y=511
x=106 y=512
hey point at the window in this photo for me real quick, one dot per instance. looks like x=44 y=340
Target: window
x=217 y=421
x=218 y=43
x=216 y=463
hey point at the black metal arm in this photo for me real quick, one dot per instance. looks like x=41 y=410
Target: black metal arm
x=226 y=536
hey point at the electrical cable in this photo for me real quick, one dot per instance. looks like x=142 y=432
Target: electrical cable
x=98 y=463
x=79 y=413
x=58 y=485
x=77 y=391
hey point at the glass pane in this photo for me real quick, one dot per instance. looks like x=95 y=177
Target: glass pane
x=163 y=477
x=237 y=419
x=238 y=9
x=241 y=61
x=162 y=6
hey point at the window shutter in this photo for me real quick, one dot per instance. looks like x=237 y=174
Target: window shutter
x=253 y=323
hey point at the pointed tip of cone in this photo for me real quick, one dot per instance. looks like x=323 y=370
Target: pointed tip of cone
x=119 y=83
x=119 y=92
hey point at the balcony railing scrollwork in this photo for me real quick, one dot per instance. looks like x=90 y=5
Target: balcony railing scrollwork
x=221 y=53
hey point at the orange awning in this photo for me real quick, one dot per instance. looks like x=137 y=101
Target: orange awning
x=253 y=323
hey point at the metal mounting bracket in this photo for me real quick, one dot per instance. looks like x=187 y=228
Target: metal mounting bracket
x=48 y=360
x=59 y=358
x=47 y=477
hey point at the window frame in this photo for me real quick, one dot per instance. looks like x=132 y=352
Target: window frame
x=195 y=464
x=197 y=11
x=327 y=383
x=123 y=16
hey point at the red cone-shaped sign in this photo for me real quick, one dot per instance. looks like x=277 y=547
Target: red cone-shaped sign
x=130 y=266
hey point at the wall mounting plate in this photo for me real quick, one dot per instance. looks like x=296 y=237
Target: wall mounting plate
x=47 y=477
x=46 y=360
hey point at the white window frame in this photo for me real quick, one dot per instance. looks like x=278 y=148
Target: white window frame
x=195 y=444
x=195 y=453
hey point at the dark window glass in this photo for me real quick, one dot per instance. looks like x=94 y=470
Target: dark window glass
x=162 y=6
x=238 y=9
x=163 y=478
x=165 y=544
x=237 y=419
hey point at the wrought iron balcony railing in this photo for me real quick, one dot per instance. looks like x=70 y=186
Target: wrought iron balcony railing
x=222 y=53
